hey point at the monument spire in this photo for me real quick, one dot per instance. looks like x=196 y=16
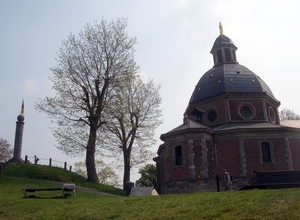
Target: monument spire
x=221 y=28
x=18 y=137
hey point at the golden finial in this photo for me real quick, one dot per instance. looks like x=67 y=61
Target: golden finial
x=22 y=108
x=221 y=28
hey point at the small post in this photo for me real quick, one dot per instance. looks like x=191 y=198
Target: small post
x=1 y=169
x=218 y=183
x=26 y=158
x=50 y=162
x=128 y=187
x=70 y=168
x=65 y=165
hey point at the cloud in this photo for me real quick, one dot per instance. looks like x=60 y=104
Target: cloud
x=237 y=8
x=30 y=87
x=177 y=5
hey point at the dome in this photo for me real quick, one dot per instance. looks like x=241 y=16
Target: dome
x=222 y=40
x=227 y=75
x=228 y=78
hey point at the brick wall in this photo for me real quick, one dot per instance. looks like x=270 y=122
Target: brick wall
x=177 y=172
x=228 y=157
x=238 y=151
x=295 y=149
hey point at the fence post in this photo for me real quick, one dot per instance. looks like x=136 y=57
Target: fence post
x=70 y=168
x=26 y=158
x=1 y=169
x=50 y=162
x=65 y=165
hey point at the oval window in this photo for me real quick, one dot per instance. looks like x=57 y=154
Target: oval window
x=272 y=115
x=212 y=116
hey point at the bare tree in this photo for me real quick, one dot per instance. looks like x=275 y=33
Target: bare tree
x=288 y=114
x=5 y=151
x=135 y=114
x=90 y=68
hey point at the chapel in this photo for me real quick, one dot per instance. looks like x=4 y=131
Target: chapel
x=231 y=122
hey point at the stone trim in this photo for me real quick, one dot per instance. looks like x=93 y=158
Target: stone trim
x=243 y=159
x=191 y=156
x=265 y=111
x=204 y=165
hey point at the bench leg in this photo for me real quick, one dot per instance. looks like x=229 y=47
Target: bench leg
x=25 y=187
x=35 y=193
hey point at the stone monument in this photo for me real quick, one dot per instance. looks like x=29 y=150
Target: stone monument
x=18 y=137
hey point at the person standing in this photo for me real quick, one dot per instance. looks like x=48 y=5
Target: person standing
x=227 y=180
x=36 y=159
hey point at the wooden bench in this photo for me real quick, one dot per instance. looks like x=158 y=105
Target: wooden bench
x=65 y=187
x=275 y=179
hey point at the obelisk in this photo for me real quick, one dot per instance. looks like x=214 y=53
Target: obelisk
x=18 y=137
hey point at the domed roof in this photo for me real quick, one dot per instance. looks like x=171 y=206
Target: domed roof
x=222 y=40
x=228 y=78
x=227 y=75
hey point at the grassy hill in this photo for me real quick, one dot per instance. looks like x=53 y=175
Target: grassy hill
x=42 y=172
x=250 y=204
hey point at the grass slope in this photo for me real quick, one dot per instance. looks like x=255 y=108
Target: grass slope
x=251 y=204
x=42 y=172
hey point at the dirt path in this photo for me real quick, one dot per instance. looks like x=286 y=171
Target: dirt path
x=84 y=189
x=80 y=188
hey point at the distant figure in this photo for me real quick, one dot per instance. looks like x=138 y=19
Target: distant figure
x=227 y=180
x=36 y=159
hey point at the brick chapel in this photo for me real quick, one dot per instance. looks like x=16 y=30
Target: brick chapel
x=231 y=122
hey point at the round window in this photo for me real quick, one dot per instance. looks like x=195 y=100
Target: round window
x=212 y=116
x=246 y=111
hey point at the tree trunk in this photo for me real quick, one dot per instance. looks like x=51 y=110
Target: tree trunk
x=90 y=157
x=126 y=177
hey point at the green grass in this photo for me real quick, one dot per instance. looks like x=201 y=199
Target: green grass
x=250 y=204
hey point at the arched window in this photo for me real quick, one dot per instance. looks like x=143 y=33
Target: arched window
x=178 y=156
x=266 y=152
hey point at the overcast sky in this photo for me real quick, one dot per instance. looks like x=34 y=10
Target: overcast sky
x=175 y=38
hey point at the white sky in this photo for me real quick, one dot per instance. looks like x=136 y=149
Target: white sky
x=175 y=38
